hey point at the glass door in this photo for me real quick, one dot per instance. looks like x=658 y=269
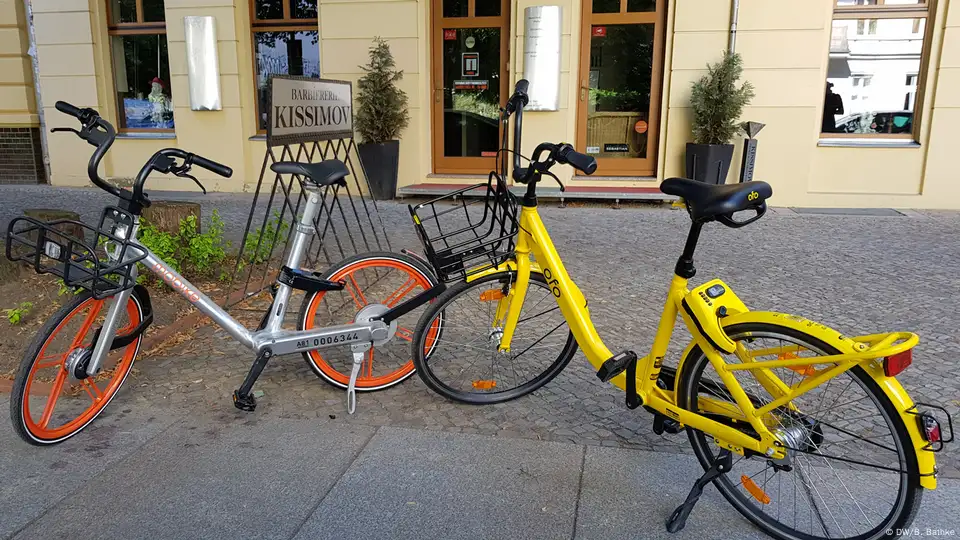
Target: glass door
x=470 y=51
x=620 y=78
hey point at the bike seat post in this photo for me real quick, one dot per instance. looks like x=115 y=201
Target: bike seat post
x=304 y=230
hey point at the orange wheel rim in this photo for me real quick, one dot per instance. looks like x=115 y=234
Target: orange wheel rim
x=99 y=392
x=366 y=378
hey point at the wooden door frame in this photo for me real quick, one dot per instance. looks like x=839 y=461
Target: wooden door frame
x=624 y=166
x=463 y=165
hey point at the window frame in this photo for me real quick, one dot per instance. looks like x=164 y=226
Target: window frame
x=881 y=10
x=286 y=24
x=138 y=28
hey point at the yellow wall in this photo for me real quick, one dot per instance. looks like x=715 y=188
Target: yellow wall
x=784 y=44
x=18 y=103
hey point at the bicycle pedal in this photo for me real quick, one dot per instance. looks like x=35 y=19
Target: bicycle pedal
x=662 y=424
x=615 y=365
x=246 y=403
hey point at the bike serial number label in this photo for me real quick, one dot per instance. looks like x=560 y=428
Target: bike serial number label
x=330 y=340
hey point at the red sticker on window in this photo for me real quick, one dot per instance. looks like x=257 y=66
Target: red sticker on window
x=449 y=35
x=599 y=31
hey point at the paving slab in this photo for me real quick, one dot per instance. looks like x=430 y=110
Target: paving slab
x=35 y=478
x=226 y=476
x=421 y=484
x=630 y=493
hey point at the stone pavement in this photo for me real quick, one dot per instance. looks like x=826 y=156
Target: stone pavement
x=859 y=274
x=170 y=472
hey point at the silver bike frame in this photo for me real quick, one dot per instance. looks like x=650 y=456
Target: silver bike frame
x=273 y=337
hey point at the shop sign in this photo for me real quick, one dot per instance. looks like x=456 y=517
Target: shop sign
x=449 y=35
x=471 y=84
x=641 y=126
x=599 y=31
x=471 y=64
x=593 y=149
x=470 y=42
x=617 y=147
x=303 y=109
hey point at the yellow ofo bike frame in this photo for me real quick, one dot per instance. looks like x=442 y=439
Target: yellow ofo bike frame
x=709 y=335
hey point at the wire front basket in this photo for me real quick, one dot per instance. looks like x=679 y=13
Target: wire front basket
x=98 y=259
x=462 y=237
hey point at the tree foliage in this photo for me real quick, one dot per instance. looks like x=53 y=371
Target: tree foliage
x=717 y=101
x=381 y=106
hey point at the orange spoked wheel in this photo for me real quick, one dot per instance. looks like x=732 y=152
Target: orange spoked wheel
x=384 y=279
x=49 y=404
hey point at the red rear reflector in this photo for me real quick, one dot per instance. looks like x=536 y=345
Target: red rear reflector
x=893 y=365
x=931 y=429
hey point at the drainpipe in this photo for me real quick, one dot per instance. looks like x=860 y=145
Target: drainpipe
x=35 y=65
x=734 y=15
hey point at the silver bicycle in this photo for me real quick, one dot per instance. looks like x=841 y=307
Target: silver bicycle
x=82 y=355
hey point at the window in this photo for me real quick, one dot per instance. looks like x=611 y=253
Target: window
x=873 y=74
x=141 y=72
x=285 y=42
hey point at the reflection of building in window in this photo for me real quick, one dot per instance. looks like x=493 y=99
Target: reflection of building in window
x=141 y=71
x=285 y=42
x=876 y=53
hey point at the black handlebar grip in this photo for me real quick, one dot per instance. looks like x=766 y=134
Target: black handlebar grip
x=582 y=162
x=67 y=108
x=212 y=166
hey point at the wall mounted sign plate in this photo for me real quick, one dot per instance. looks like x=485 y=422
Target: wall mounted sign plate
x=541 y=56
x=203 y=64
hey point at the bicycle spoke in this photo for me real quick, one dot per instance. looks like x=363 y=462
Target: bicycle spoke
x=52 y=400
x=404 y=333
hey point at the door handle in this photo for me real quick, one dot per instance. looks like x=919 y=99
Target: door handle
x=583 y=91
x=438 y=95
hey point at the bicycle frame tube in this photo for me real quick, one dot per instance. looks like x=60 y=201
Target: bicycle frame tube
x=534 y=240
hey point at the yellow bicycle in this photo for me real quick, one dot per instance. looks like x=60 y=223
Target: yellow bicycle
x=804 y=430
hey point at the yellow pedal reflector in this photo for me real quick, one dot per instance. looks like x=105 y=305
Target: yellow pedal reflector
x=755 y=490
x=491 y=295
x=484 y=385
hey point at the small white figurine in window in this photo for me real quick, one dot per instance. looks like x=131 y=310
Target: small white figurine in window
x=162 y=104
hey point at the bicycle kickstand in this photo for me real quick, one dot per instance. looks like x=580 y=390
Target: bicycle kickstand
x=352 y=386
x=722 y=464
x=242 y=397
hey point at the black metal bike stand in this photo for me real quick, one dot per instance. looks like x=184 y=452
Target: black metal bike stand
x=722 y=464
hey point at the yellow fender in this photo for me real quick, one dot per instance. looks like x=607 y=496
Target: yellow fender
x=890 y=386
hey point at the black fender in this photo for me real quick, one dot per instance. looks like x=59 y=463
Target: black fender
x=143 y=298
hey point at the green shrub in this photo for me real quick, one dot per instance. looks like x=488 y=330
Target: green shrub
x=15 y=315
x=191 y=252
x=256 y=251
x=717 y=102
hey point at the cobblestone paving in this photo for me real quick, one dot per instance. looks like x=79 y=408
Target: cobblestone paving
x=858 y=274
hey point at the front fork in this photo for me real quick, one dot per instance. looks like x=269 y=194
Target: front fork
x=511 y=303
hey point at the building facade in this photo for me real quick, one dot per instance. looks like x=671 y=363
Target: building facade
x=21 y=151
x=858 y=96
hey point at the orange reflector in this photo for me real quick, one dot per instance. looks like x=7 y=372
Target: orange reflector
x=491 y=295
x=893 y=365
x=805 y=371
x=484 y=385
x=754 y=490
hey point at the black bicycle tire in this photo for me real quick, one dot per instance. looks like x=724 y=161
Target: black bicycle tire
x=911 y=494
x=426 y=375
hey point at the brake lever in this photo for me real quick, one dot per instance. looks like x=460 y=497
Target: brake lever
x=557 y=180
x=185 y=174
x=54 y=130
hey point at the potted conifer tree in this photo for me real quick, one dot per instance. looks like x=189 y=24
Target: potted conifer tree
x=381 y=115
x=717 y=100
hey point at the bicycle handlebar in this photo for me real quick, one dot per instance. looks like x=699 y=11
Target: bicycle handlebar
x=558 y=153
x=100 y=133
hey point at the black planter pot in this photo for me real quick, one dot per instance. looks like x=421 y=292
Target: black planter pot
x=709 y=163
x=381 y=162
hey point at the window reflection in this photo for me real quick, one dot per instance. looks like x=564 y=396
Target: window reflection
x=872 y=75
x=283 y=53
